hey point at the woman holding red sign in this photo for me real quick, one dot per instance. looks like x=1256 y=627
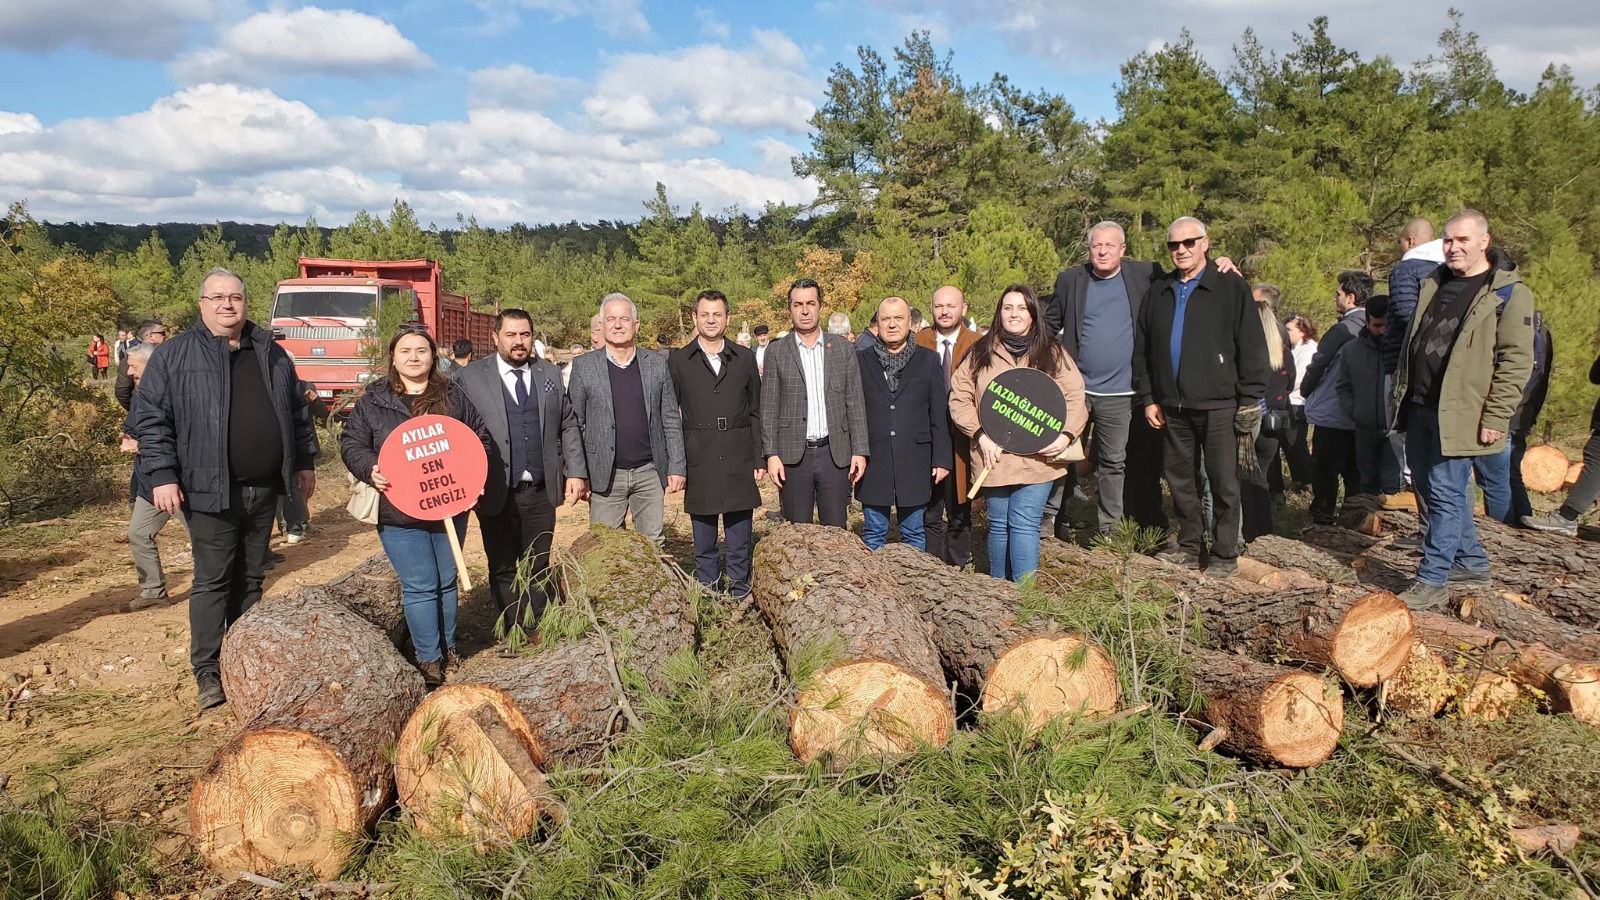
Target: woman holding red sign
x=419 y=550
x=1017 y=485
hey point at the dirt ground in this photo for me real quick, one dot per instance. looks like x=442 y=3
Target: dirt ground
x=100 y=701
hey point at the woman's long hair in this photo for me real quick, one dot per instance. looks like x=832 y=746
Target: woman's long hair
x=435 y=398
x=1308 y=331
x=1044 y=351
x=1273 y=333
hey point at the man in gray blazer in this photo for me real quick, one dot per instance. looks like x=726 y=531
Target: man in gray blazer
x=535 y=462
x=813 y=415
x=632 y=432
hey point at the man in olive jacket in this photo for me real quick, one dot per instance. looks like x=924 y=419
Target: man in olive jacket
x=1467 y=355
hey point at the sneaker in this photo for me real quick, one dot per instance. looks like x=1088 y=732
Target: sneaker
x=208 y=691
x=1064 y=532
x=1553 y=522
x=1425 y=597
x=294 y=535
x=147 y=601
x=452 y=662
x=1468 y=578
x=1179 y=558
x=1221 y=567
x=432 y=673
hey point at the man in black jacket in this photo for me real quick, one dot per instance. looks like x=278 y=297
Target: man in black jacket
x=222 y=432
x=1200 y=371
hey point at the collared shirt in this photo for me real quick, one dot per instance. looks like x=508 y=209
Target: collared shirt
x=811 y=366
x=508 y=378
x=1182 y=290
x=621 y=365
x=714 y=360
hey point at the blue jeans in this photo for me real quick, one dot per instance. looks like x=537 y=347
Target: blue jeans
x=1014 y=515
x=1444 y=482
x=1494 y=477
x=427 y=570
x=875 y=528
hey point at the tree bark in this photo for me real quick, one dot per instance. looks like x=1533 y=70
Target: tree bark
x=856 y=645
x=1472 y=669
x=322 y=693
x=1271 y=715
x=1523 y=623
x=1571 y=686
x=372 y=591
x=1363 y=635
x=641 y=603
x=1035 y=667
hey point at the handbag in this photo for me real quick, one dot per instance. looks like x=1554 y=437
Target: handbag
x=363 y=503
x=1073 y=453
x=1277 y=422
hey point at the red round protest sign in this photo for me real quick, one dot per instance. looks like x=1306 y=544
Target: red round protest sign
x=436 y=467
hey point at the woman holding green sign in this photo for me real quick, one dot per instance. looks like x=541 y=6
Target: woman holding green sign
x=1017 y=484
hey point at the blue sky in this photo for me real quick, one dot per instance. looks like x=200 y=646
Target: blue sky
x=539 y=110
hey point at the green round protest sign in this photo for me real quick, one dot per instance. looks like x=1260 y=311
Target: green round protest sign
x=1022 y=410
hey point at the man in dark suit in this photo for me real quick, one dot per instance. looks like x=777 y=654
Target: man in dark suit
x=907 y=428
x=813 y=418
x=947 y=520
x=719 y=393
x=1200 y=371
x=536 y=461
x=632 y=430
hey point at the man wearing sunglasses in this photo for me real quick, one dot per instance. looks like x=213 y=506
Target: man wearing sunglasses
x=222 y=432
x=1200 y=373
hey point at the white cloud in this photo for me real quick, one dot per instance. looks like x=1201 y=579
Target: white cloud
x=144 y=29
x=712 y=25
x=775 y=153
x=618 y=18
x=762 y=86
x=305 y=41
x=516 y=86
x=247 y=154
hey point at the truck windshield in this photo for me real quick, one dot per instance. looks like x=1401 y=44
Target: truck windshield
x=332 y=304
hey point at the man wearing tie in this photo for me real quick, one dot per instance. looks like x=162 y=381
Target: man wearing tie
x=947 y=521
x=536 y=461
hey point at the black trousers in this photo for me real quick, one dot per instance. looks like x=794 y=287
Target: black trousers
x=947 y=523
x=1141 y=483
x=815 y=483
x=736 y=546
x=230 y=562
x=1333 y=457
x=1257 y=494
x=1195 y=438
x=525 y=526
x=1297 y=448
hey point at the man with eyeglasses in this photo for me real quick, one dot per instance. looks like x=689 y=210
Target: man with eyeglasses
x=1199 y=375
x=223 y=431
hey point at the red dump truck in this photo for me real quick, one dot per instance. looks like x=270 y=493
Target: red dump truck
x=327 y=318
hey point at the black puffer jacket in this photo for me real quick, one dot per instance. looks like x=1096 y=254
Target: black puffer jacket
x=374 y=417
x=181 y=421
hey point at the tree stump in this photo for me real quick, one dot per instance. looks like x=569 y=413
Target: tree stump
x=1544 y=468
x=861 y=655
x=1269 y=714
x=322 y=693
x=1034 y=668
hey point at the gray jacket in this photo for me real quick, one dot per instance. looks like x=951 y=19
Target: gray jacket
x=783 y=401
x=590 y=391
x=558 y=429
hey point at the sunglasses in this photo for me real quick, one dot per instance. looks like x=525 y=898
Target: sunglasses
x=1186 y=243
x=413 y=328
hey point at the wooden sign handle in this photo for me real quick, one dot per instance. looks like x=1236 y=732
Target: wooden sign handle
x=462 y=577
x=978 y=482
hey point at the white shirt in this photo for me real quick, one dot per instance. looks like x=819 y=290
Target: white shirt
x=761 y=356
x=1302 y=354
x=508 y=377
x=812 y=365
x=713 y=359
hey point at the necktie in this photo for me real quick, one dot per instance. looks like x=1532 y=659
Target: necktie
x=945 y=360
x=522 y=387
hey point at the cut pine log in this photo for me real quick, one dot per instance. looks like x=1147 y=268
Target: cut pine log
x=372 y=591
x=471 y=758
x=321 y=693
x=1571 y=686
x=1544 y=468
x=1513 y=617
x=1364 y=635
x=862 y=656
x=1269 y=714
x=1574 y=472
x=1035 y=667
x=1474 y=675
x=1422 y=687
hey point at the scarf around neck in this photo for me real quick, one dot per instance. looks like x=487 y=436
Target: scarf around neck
x=1017 y=344
x=893 y=363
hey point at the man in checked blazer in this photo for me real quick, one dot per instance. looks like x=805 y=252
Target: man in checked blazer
x=632 y=430
x=813 y=415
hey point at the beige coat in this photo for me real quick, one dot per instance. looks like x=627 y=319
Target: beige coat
x=967 y=385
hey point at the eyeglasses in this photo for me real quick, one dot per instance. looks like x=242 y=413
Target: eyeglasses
x=412 y=328
x=1186 y=243
x=220 y=299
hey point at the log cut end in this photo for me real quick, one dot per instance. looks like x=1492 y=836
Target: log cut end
x=1544 y=468
x=1300 y=724
x=1374 y=639
x=1049 y=676
x=1422 y=686
x=868 y=707
x=1580 y=690
x=277 y=797
x=1486 y=695
x=467 y=762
